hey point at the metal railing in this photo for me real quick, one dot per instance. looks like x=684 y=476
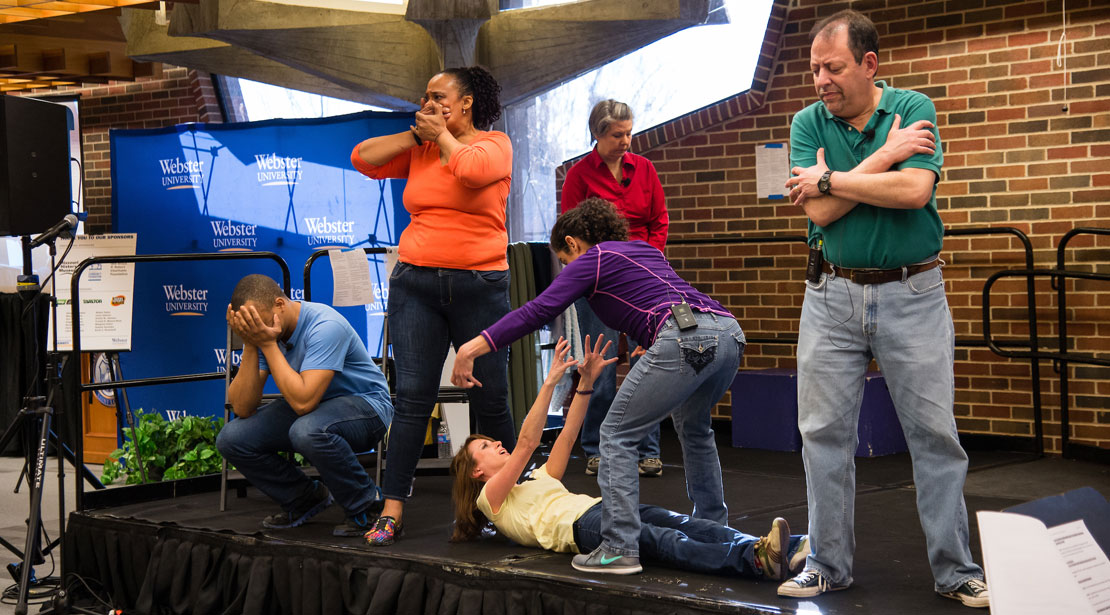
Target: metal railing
x=1031 y=342
x=75 y=389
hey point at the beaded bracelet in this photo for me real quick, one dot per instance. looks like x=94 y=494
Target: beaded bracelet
x=587 y=392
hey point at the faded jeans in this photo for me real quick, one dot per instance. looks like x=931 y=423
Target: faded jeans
x=907 y=327
x=683 y=375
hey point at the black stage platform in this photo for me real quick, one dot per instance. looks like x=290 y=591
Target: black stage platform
x=181 y=556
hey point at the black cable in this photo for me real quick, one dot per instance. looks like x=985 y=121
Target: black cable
x=81 y=181
x=94 y=594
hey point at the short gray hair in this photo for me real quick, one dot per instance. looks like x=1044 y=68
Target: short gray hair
x=605 y=113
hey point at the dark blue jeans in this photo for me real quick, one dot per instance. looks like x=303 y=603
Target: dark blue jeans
x=430 y=309
x=330 y=437
x=605 y=389
x=681 y=541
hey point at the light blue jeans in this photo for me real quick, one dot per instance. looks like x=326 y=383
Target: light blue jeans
x=683 y=375
x=907 y=328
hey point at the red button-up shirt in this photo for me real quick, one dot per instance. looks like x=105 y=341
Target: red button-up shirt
x=639 y=197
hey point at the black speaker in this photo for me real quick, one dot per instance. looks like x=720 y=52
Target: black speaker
x=34 y=165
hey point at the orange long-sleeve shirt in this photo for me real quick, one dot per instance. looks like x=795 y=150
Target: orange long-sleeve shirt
x=458 y=208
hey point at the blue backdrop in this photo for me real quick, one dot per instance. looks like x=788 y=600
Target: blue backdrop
x=285 y=186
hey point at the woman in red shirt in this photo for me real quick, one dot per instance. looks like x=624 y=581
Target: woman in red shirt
x=630 y=182
x=452 y=276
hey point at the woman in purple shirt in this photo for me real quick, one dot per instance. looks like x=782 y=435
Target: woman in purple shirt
x=693 y=346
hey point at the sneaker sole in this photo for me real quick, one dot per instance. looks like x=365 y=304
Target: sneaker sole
x=782 y=567
x=609 y=569
x=312 y=512
x=806 y=592
x=985 y=604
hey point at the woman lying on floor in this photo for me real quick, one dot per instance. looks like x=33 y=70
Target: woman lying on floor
x=540 y=512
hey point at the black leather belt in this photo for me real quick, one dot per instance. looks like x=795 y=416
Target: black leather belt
x=878 y=276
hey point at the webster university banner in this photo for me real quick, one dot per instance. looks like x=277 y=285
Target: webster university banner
x=285 y=186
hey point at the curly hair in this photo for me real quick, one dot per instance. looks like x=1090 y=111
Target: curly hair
x=594 y=220
x=478 y=82
x=469 y=521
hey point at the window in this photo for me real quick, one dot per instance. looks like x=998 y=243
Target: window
x=683 y=72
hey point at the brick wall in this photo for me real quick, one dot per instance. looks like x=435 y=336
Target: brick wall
x=177 y=96
x=1014 y=157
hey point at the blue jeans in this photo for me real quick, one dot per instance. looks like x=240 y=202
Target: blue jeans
x=684 y=374
x=907 y=328
x=605 y=389
x=329 y=437
x=430 y=309
x=683 y=542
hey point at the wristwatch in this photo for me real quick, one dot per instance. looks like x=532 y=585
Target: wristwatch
x=823 y=183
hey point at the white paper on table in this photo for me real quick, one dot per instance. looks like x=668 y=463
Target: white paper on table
x=1024 y=570
x=772 y=169
x=350 y=271
x=1086 y=561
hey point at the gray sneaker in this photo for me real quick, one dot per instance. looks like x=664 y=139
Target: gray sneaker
x=651 y=466
x=604 y=562
x=592 y=464
x=807 y=584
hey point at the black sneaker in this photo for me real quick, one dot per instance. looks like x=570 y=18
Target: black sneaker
x=807 y=584
x=361 y=523
x=973 y=593
x=651 y=466
x=321 y=499
x=607 y=563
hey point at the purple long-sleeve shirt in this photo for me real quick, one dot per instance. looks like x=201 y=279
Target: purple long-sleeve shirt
x=629 y=284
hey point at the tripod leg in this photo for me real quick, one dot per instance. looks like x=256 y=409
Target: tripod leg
x=34 y=521
x=86 y=473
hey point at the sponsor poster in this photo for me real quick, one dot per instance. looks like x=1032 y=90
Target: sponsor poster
x=106 y=294
x=283 y=186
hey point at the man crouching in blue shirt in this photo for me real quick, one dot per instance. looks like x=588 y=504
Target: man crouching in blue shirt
x=335 y=403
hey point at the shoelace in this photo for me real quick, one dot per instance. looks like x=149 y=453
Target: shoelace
x=806 y=577
x=977 y=586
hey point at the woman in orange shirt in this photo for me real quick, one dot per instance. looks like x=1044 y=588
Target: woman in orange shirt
x=452 y=276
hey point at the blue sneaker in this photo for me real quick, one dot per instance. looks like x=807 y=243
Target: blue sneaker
x=321 y=499
x=600 y=560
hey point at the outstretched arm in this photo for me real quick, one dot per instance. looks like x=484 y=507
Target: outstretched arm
x=588 y=371
x=498 y=487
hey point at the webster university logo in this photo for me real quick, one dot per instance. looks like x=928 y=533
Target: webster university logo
x=325 y=232
x=178 y=174
x=181 y=301
x=221 y=358
x=274 y=170
x=228 y=236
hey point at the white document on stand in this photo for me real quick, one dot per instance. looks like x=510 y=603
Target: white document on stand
x=350 y=271
x=1086 y=562
x=1025 y=571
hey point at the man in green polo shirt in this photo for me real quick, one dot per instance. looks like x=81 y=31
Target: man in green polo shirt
x=866 y=160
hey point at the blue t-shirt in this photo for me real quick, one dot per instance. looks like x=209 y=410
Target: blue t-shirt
x=323 y=339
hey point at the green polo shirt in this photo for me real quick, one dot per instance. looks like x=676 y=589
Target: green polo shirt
x=869 y=236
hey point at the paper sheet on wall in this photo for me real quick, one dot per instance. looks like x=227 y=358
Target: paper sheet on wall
x=772 y=169
x=1025 y=571
x=107 y=294
x=350 y=271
